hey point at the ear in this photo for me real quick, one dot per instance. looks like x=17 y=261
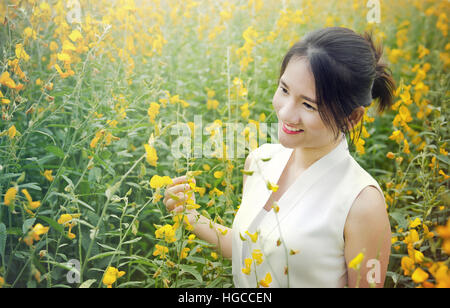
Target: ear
x=354 y=118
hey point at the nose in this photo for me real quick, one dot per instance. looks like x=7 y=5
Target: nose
x=289 y=114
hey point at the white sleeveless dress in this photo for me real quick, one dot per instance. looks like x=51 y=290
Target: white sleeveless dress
x=304 y=241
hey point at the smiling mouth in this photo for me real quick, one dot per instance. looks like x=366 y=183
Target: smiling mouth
x=290 y=130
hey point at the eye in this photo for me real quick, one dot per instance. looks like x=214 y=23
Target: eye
x=308 y=106
x=284 y=90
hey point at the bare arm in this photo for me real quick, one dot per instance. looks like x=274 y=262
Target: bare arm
x=368 y=230
x=216 y=234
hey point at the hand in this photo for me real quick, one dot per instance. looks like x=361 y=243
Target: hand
x=177 y=194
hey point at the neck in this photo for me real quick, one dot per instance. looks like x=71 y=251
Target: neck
x=305 y=157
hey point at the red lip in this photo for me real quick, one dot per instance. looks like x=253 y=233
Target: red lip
x=290 y=132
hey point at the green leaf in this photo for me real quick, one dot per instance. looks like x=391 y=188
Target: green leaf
x=27 y=224
x=112 y=189
x=95 y=174
x=132 y=241
x=215 y=282
x=106 y=254
x=107 y=167
x=2 y=239
x=191 y=270
x=443 y=159
x=87 y=284
x=55 y=151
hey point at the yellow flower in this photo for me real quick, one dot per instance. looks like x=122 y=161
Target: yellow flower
x=441 y=172
x=248 y=266
x=419 y=275
x=12 y=131
x=397 y=136
x=356 y=262
x=293 y=252
x=35 y=234
x=266 y=281
x=14 y=64
x=31 y=203
x=405 y=114
x=2 y=282
x=272 y=187
x=414 y=223
x=253 y=237
x=10 y=195
x=406 y=147
x=423 y=51
x=394 y=54
x=442 y=275
x=257 y=256
x=160 y=250
x=75 y=35
x=64 y=219
x=62 y=74
x=67 y=45
x=184 y=253
x=390 y=155
x=178 y=219
x=275 y=207
x=97 y=137
x=245 y=111
x=417 y=255
x=218 y=174
x=223 y=232
x=153 y=111
x=53 y=46
x=29 y=32
x=48 y=175
x=214 y=255
x=111 y=275
x=21 y=53
x=210 y=93
x=444 y=232
x=69 y=232
x=212 y=104
x=151 y=157
x=158 y=181
x=6 y=80
x=407 y=265
x=412 y=237
x=167 y=232
x=191 y=238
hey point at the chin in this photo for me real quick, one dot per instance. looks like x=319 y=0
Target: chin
x=287 y=142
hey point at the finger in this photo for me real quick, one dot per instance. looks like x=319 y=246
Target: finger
x=171 y=204
x=178 y=209
x=178 y=180
x=176 y=189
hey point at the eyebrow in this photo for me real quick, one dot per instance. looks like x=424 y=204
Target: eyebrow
x=301 y=95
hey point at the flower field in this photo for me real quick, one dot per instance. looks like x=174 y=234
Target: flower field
x=98 y=99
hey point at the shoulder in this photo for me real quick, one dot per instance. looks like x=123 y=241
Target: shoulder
x=368 y=210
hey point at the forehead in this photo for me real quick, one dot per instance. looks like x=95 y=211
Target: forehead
x=299 y=78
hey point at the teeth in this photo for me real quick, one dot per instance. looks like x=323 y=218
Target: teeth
x=292 y=129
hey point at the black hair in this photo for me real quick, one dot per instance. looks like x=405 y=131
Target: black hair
x=348 y=73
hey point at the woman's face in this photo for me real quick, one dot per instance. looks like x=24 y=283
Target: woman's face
x=294 y=103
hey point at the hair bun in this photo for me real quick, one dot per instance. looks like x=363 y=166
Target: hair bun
x=383 y=85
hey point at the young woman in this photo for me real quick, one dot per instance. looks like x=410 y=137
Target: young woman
x=327 y=209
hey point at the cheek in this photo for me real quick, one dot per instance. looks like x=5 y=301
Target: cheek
x=276 y=102
x=314 y=122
